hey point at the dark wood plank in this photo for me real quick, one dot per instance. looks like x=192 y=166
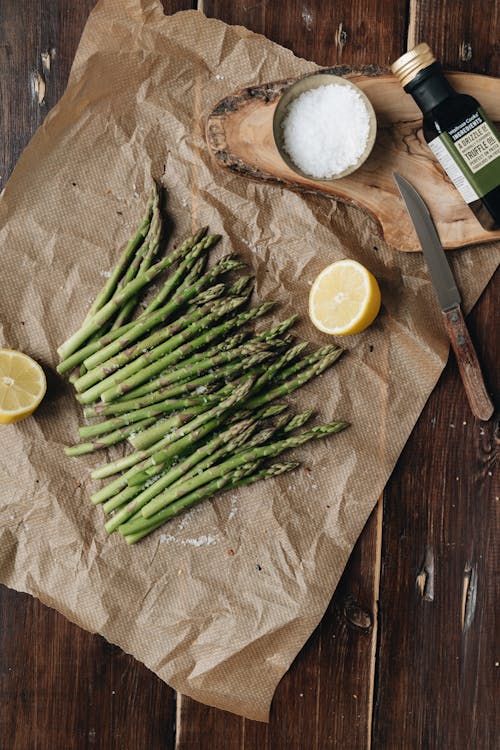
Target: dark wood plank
x=62 y=688
x=463 y=33
x=438 y=667
x=330 y=33
x=439 y=584
x=324 y=700
x=38 y=40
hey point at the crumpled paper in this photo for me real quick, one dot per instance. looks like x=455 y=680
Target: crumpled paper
x=221 y=600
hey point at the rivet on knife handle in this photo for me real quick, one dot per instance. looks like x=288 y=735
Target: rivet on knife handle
x=468 y=364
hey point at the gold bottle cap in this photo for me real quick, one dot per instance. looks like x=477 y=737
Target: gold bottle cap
x=408 y=65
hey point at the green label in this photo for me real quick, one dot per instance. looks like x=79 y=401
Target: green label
x=470 y=155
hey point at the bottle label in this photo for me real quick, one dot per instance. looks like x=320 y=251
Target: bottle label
x=470 y=155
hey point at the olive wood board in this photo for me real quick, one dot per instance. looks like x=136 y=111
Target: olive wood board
x=240 y=134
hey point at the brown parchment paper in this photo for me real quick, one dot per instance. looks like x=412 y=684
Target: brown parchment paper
x=220 y=628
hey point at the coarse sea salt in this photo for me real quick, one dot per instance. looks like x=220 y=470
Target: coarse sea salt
x=325 y=130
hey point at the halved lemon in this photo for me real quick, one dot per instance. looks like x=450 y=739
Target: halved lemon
x=344 y=299
x=22 y=386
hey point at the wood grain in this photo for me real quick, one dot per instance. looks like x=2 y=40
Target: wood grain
x=437 y=660
x=323 y=702
x=240 y=134
x=431 y=679
x=464 y=35
x=62 y=688
x=330 y=33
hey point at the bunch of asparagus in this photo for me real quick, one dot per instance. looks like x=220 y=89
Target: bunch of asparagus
x=186 y=381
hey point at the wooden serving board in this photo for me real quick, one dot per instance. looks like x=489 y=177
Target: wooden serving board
x=239 y=132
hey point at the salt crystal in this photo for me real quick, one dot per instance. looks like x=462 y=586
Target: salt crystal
x=326 y=130
x=204 y=540
x=105 y=274
x=201 y=541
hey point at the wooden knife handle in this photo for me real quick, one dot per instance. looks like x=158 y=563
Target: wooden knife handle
x=468 y=364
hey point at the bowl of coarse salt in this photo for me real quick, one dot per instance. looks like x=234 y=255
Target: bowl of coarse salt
x=324 y=127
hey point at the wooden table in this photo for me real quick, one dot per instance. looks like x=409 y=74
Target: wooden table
x=405 y=656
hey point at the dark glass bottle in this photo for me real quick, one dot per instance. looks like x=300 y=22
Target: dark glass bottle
x=458 y=131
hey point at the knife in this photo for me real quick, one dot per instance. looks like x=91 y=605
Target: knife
x=448 y=298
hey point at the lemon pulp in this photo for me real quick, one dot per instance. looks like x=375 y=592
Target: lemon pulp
x=344 y=298
x=22 y=386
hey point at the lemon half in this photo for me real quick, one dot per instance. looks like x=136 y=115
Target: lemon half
x=22 y=386
x=344 y=299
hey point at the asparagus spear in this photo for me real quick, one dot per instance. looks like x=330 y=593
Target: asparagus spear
x=93 y=346
x=298 y=421
x=308 y=361
x=162 y=406
x=125 y=382
x=170 y=445
x=140 y=460
x=152 y=385
x=278 y=365
x=174 y=281
x=155 y=410
x=123 y=407
x=251 y=455
x=111 y=283
x=243 y=285
x=174 y=333
x=232 y=371
x=270 y=335
x=247 y=356
x=288 y=386
x=222 y=444
x=210 y=294
x=141 y=262
x=195 y=241
x=275 y=470
x=238 y=433
x=119 y=298
x=278 y=330
x=152 y=468
x=107 y=440
x=156 y=432
x=138 y=528
x=132 y=536
x=95 y=354
x=226 y=441
x=190 y=288
x=138 y=369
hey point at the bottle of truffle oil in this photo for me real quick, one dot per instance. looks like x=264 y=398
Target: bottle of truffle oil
x=460 y=134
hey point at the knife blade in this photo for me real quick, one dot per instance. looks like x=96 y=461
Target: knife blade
x=449 y=299
x=437 y=263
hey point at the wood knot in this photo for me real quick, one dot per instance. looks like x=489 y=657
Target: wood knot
x=465 y=52
x=356 y=616
x=340 y=37
x=425 y=576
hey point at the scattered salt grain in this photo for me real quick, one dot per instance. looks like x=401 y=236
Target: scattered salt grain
x=326 y=130
x=234 y=509
x=105 y=274
x=201 y=541
x=205 y=539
